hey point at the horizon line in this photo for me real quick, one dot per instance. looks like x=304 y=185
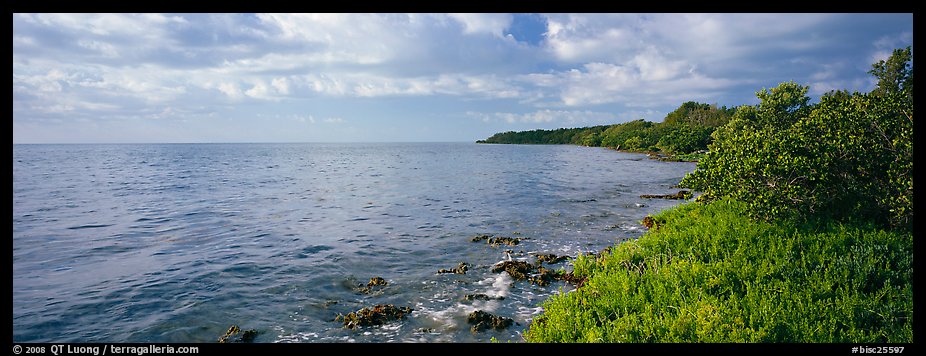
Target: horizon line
x=229 y=142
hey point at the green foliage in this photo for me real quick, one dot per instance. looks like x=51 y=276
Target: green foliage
x=696 y=114
x=590 y=139
x=617 y=136
x=711 y=274
x=781 y=106
x=686 y=130
x=895 y=75
x=849 y=157
x=684 y=139
x=549 y=137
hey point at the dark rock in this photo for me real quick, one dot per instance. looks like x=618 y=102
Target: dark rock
x=651 y=222
x=496 y=241
x=246 y=336
x=584 y=200
x=233 y=330
x=550 y=258
x=459 y=269
x=480 y=296
x=482 y=321
x=376 y=315
x=680 y=195
x=544 y=277
x=510 y=241
x=518 y=270
x=510 y=252
x=374 y=282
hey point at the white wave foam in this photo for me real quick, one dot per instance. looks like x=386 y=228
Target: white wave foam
x=293 y=338
x=500 y=285
x=527 y=313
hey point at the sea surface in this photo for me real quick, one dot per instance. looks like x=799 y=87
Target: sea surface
x=177 y=242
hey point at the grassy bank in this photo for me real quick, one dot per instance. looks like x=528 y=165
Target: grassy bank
x=709 y=274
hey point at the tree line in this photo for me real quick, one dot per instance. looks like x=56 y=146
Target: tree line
x=687 y=129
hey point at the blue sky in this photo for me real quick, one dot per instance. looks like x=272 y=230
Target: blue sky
x=100 y=78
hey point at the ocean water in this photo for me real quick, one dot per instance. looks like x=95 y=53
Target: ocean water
x=177 y=242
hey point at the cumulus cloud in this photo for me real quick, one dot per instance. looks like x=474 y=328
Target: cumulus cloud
x=570 y=117
x=494 y=24
x=117 y=66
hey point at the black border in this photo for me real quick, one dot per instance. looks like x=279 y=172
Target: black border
x=518 y=6
x=423 y=6
x=468 y=348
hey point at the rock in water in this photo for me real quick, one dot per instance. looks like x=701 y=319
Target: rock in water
x=376 y=315
x=510 y=241
x=544 y=277
x=482 y=321
x=459 y=269
x=376 y=281
x=481 y=296
x=518 y=270
x=246 y=336
x=681 y=195
x=550 y=258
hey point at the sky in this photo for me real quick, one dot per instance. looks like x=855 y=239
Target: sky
x=145 y=78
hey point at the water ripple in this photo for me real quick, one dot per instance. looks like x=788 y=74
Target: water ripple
x=175 y=243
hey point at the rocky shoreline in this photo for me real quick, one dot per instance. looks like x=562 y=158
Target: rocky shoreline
x=520 y=271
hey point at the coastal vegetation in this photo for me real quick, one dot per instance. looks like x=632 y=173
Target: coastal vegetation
x=682 y=132
x=849 y=157
x=803 y=231
x=709 y=273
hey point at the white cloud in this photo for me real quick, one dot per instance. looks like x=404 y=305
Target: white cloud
x=571 y=117
x=48 y=82
x=259 y=90
x=353 y=38
x=373 y=85
x=140 y=26
x=281 y=84
x=23 y=41
x=105 y=49
x=654 y=66
x=230 y=89
x=884 y=46
x=584 y=37
x=646 y=80
x=494 y=24
x=121 y=66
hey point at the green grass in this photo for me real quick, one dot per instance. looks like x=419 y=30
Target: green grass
x=709 y=274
